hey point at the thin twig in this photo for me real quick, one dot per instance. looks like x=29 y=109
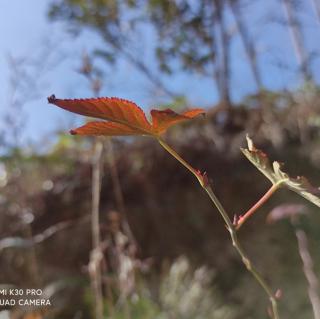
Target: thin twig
x=232 y=230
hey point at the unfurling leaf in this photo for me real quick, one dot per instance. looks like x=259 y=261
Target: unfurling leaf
x=123 y=117
x=274 y=173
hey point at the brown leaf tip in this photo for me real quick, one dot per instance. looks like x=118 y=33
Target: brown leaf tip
x=73 y=132
x=51 y=99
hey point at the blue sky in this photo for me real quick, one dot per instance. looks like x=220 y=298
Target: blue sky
x=26 y=33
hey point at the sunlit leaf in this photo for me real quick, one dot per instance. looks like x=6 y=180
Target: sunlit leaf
x=124 y=117
x=106 y=128
x=111 y=109
x=273 y=171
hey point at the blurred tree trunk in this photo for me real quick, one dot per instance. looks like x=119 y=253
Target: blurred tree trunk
x=297 y=39
x=247 y=42
x=316 y=8
x=223 y=53
x=96 y=253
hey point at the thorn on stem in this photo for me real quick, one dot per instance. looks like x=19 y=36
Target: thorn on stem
x=203 y=177
x=239 y=221
x=278 y=294
x=235 y=220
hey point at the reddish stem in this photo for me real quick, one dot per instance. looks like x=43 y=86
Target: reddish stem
x=242 y=219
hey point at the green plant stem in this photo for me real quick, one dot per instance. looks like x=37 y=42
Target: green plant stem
x=231 y=228
x=258 y=204
x=181 y=160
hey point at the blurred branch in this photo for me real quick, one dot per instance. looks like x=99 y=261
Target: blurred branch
x=20 y=242
x=224 y=52
x=96 y=254
x=26 y=79
x=312 y=279
x=247 y=42
x=119 y=195
x=139 y=63
x=293 y=213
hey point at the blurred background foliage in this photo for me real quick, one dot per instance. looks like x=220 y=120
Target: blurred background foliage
x=165 y=251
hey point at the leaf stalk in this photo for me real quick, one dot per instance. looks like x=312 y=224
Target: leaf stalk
x=242 y=219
